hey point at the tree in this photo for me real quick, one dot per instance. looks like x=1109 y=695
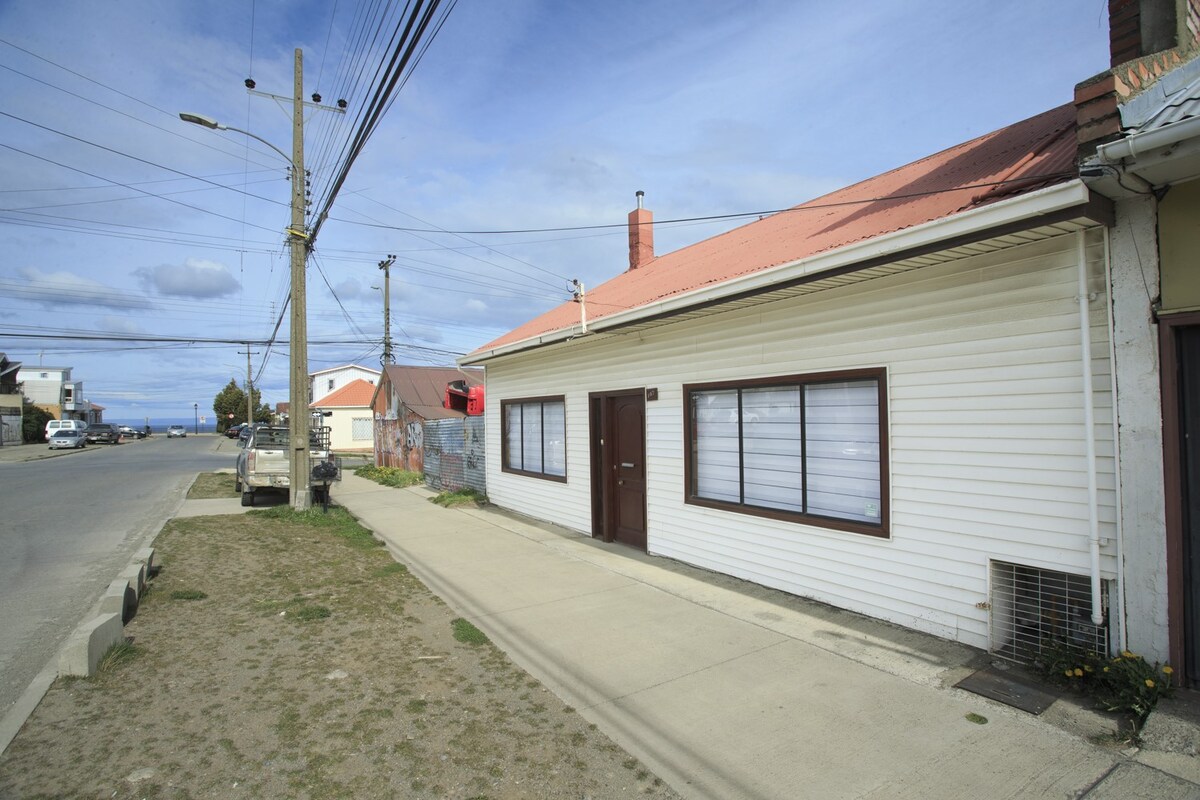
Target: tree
x=232 y=401
x=33 y=422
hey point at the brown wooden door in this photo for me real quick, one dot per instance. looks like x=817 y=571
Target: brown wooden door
x=619 y=468
x=629 y=470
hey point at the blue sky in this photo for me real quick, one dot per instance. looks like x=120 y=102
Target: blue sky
x=118 y=218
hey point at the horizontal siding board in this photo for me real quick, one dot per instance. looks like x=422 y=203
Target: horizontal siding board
x=984 y=420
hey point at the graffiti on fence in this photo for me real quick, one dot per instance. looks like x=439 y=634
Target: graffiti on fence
x=474 y=448
x=414 y=435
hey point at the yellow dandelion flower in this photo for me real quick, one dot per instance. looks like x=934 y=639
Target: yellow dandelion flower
x=1078 y=672
x=1168 y=671
x=1087 y=668
x=1127 y=654
x=1068 y=673
x=1149 y=683
x=1106 y=669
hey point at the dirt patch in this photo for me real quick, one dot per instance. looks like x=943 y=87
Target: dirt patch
x=280 y=656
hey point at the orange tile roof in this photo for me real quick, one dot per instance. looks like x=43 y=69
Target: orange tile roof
x=355 y=393
x=1032 y=154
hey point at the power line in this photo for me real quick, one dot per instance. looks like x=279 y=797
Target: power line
x=721 y=217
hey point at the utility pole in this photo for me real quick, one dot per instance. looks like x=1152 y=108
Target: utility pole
x=298 y=421
x=249 y=386
x=385 y=265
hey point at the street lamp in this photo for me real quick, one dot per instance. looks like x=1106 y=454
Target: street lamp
x=209 y=122
x=298 y=421
x=196 y=418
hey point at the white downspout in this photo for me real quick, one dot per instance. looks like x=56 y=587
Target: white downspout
x=1089 y=422
x=1122 y=636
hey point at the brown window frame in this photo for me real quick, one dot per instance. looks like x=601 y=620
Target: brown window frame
x=516 y=401
x=881 y=530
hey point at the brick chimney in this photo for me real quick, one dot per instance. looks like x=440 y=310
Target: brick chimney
x=1146 y=40
x=641 y=235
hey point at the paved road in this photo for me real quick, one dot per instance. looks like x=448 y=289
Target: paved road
x=69 y=525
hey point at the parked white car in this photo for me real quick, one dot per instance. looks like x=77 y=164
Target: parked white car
x=176 y=432
x=67 y=439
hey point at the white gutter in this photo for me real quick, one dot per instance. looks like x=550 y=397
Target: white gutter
x=976 y=221
x=1140 y=144
x=1122 y=636
x=1089 y=429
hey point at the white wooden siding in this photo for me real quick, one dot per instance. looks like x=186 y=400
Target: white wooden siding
x=985 y=422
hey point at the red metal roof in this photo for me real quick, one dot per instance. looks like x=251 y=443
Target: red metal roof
x=356 y=393
x=1020 y=158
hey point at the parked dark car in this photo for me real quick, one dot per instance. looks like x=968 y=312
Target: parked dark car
x=132 y=433
x=234 y=430
x=103 y=433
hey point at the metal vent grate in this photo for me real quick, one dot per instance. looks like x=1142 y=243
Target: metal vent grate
x=1034 y=609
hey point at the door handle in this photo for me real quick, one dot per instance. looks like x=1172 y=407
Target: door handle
x=620 y=483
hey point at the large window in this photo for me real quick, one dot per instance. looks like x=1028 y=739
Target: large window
x=809 y=448
x=535 y=437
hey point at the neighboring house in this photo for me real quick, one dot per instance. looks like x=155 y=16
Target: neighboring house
x=405 y=398
x=11 y=413
x=350 y=421
x=51 y=389
x=323 y=383
x=280 y=416
x=1140 y=145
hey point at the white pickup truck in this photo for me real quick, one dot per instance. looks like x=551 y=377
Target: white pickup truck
x=263 y=463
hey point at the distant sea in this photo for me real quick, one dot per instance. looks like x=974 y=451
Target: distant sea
x=160 y=424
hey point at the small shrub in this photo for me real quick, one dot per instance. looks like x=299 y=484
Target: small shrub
x=310 y=613
x=390 y=476
x=1125 y=684
x=118 y=654
x=467 y=633
x=188 y=594
x=458 y=498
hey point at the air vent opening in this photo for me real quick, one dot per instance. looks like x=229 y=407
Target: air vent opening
x=1036 y=610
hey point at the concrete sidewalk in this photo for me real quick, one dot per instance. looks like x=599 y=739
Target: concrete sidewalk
x=727 y=690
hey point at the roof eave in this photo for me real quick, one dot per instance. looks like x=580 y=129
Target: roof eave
x=975 y=222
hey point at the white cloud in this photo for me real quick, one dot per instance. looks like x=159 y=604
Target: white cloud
x=113 y=324
x=195 y=278
x=68 y=289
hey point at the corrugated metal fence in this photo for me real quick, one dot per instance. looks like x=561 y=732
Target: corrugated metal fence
x=454 y=454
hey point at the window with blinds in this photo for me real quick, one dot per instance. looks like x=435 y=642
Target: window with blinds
x=809 y=448
x=534 y=438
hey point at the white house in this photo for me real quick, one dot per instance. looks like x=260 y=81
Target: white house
x=896 y=399
x=52 y=389
x=327 y=381
x=350 y=423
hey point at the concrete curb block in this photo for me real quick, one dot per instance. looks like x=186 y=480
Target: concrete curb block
x=136 y=575
x=120 y=598
x=82 y=652
x=145 y=557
